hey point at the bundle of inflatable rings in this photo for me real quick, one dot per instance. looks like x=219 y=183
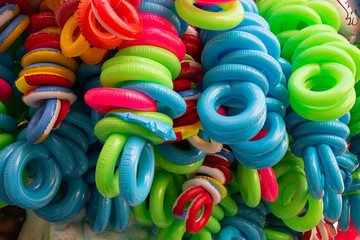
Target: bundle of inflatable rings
x=224 y=119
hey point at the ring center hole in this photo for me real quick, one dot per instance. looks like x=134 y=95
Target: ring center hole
x=61 y=193
x=320 y=83
x=234 y=106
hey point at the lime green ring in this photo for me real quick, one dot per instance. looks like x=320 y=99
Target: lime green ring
x=229 y=206
x=232 y=15
x=353 y=52
x=355 y=175
x=292 y=14
x=6 y=139
x=163 y=195
x=355 y=117
x=310 y=219
x=327 y=11
x=115 y=61
x=356 y=107
x=296 y=40
x=177 y=230
x=324 y=114
x=213 y=225
x=115 y=75
x=188 y=57
x=142 y=214
x=289 y=163
x=158 y=168
x=153 y=115
x=293 y=195
x=302 y=80
x=357 y=89
x=233 y=187
x=264 y=6
x=319 y=39
x=278 y=4
x=283 y=37
x=217 y=213
x=273 y=234
x=202 y=235
x=287 y=167
x=354 y=124
x=2 y=205
x=162 y=233
x=2 y=108
x=110 y=125
x=324 y=54
x=179 y=179
x=289 y=156
x=106 y=181
x=174 y=232
x=326 y=105
x=354 y=129
x=249 y=184
x=353 y=193
x=174 y=167
x=160 y=55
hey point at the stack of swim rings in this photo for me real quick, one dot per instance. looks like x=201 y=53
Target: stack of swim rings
x=204 y=188
x=46 y=78
x=188 y=84
x=56 y=165
x=239 y=78
x=322 y=145
x=187 y=126
x=307 y=42
x=144 y=70
x=57 y=191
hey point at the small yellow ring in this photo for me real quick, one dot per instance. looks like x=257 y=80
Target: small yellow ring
x=48 y=55
x=69 y=47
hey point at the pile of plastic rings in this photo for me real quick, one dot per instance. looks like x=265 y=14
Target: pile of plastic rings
x=208 y=119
